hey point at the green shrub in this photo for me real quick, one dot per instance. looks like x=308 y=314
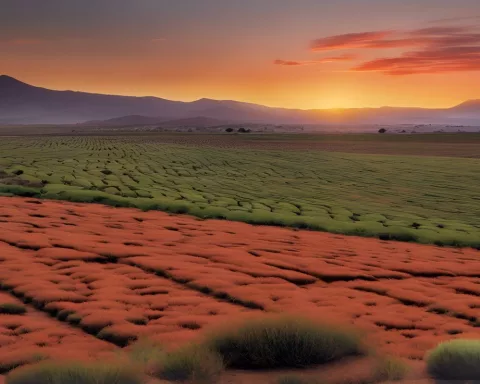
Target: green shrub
x=19 y=190
x=193 y=364
x=284 y=342
x=75 y=373
x=145 y=352
x=455 y=360
x=86 y=196
x=12 y=309
x=390 y=369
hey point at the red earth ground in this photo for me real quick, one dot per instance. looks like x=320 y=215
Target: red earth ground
x=111 y=275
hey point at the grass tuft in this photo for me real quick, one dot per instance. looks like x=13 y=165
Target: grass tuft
x=390 y=369
x=455 y=360
x=192 y=364
x=144 y=353
x=75 y=373
x=284 y=342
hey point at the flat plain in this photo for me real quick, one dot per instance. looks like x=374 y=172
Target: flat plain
x=421 y=188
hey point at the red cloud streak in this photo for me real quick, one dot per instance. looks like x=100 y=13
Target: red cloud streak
x=455 y=59
x=437 y=49
x=334 y=59
x=350 y=40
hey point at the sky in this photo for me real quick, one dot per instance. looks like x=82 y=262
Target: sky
x=304 y=54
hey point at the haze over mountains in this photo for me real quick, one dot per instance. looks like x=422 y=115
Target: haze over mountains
x=21 y=103
x=131 y=120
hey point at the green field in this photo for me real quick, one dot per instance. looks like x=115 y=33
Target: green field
x=411 y=198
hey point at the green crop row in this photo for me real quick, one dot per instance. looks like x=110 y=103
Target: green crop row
x=422 y=199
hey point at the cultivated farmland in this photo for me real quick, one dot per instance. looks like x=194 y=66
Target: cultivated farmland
x=428 y=199
x=110 y=276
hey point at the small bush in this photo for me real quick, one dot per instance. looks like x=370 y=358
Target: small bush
x=56 y=373
x=12 y=309
x=194 y=364
x=390 y=369
x=282 y=343
x=455 y=360
x=145 y=352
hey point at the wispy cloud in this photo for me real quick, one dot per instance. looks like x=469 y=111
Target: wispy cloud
x=454 y=19
x=432 y=49
x=447 y=59
x=291 y=63
x=346 y=57
x=349 y=40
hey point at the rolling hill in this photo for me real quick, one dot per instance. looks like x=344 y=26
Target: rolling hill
x=21 y=103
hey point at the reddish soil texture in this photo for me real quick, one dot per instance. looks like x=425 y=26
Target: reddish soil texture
x=109 y=276
x=35 y=336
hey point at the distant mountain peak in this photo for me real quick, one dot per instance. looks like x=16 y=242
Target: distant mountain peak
x=468 y=106
x=10 y=82
x=205 y=101
x=470 y=102
x=3 y=77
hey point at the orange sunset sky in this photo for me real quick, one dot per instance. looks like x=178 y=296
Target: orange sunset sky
x=287 y=53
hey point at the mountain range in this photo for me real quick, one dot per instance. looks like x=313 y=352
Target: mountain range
x=21 y=103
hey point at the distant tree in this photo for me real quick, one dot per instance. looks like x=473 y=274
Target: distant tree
x=243 y=130
x=229 y=130
x=382 y=130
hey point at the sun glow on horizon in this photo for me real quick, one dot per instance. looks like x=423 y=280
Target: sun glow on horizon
x=364 y=54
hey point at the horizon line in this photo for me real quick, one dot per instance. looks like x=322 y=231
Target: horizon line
x=237 y=101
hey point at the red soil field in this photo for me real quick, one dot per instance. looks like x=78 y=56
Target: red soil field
x=95 y=278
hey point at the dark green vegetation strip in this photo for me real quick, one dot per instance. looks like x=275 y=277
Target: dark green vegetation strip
x=422 y=199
